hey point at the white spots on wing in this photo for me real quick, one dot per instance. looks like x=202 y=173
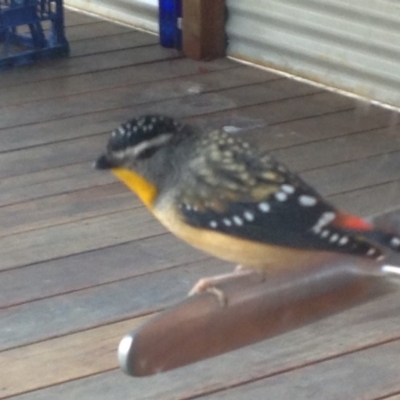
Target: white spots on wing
x=325 y=233
x=325 y=219
x=334 y=238
x=248 y=216
x=151 y=126
x=237 y=220
x=227 y=154
x=213 y=224
x=121 y=129
x=227 y=222
x=307 y=201
x=264 y=207
x=188 y=207
x=371 y=252
x=328 y=217
x=281 y=196
x=289 y=189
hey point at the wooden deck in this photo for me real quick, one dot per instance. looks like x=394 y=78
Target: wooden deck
x=82 y=262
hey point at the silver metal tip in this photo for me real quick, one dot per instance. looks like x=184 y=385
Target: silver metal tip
x=124 y=353
x=391 y=270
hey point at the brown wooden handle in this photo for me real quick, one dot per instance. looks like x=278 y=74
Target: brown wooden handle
x=200 y=327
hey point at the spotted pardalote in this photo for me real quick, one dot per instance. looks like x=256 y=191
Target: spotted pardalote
x=231 y=200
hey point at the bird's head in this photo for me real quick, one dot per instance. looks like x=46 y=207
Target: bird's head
x=138 y=140
x=139 y=152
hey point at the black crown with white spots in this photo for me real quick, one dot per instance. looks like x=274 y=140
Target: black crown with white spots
x=138 y=136
x=139 y=129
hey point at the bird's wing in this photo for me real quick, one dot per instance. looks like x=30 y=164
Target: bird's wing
x=259 y=199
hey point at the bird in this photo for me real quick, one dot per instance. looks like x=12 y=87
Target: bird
x=232 y=200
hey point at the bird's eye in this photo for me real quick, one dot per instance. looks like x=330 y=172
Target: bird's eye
x=147 y=153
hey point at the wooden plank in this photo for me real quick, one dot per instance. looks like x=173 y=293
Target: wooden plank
x=355 y=174
x=68 y=207
x=284 y=110
x=76 y=237
x=100 y=341
x=274 y=92
x=353 y=376
x=49 y=182
x=84 y=65
x=94 y=30
x=371 y=200
x=94 y=268
x=130 y=95
x=340 y=150
x=98 y=80
x=83 y=309
x=33 y=159
x=317 y=128
x=349 y=331
x=105 y=44
x=76 y=18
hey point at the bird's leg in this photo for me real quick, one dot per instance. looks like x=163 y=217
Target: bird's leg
x=210 y=284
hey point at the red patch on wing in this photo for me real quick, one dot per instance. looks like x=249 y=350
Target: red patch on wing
x=352 y=222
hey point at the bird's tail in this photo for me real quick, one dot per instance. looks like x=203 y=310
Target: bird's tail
x=388 y=241
x=385 y=239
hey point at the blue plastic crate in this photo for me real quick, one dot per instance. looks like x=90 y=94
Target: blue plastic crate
x=31 y=30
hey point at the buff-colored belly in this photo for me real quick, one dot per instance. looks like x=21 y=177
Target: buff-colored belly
x=236 y=250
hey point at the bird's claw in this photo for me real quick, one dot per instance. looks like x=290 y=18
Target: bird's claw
x=208 y=285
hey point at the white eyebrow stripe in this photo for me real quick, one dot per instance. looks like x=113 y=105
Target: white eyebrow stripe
x=155 y=142
x=141 y=147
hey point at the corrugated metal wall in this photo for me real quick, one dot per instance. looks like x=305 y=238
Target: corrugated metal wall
x=139 y=13
x=352 y=45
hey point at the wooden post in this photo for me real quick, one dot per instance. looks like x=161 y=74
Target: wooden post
x=203 y=29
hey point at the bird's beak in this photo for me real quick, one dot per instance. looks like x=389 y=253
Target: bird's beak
x=103 y=162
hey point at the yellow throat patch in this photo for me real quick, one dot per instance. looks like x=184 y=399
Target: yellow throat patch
x=145 y=190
